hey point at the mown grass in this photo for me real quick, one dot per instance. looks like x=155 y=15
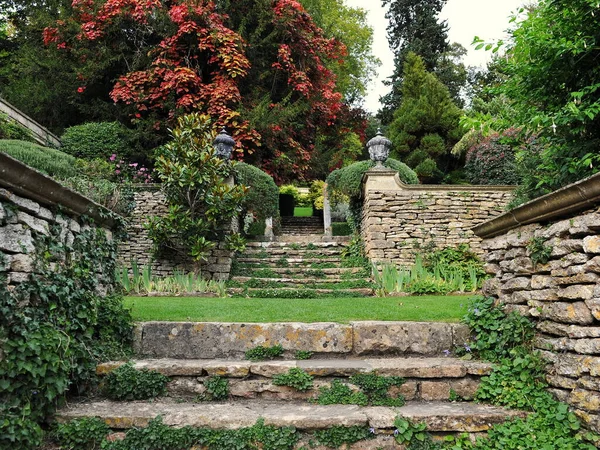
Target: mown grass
x=303 y=211
x=426 y=308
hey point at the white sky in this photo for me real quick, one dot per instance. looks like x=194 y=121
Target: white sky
x=466 y=19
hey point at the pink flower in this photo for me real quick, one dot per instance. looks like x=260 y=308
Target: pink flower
x=113 y=157
x=133 y=165
x=117 y=171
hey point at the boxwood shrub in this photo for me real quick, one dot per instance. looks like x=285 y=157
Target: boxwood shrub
x=98 y=140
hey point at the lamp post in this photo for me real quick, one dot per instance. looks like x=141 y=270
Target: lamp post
x=379 y=149
x=223 y=144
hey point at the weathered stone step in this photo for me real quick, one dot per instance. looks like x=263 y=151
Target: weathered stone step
x=310 y=238
x=427 y=379
x=298 y=260
x=307 y=292
x=438 y=416
x=296 y=273
x=335 y=271
x=192 y=340
x=308 y=246
x=299 y=282
x=291 y=251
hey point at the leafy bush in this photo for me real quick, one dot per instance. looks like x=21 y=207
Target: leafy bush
x=341 y=229
x=81 y=434
x=316 y=194
x=262 y=198
x=49 y=161
x=217 y=388
x=290 y=189
x=492 y=160
x=373 y=391
x=129 y=383
x=296 y=378
x=348 y=181
x=10 y=129
x=97 y=140
x=201 y=203
x=261 y=353
x=339 y=435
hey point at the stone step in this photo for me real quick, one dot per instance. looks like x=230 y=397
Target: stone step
x=303 y=283
x=427 y=379
x=308 y=246
x=300 y=271
x=301 y=220
x=306 y=292
x=209 y=340
x=291 y=252
x=298 y=260
x=438 y=416
x=311 y=238
x=297 y=273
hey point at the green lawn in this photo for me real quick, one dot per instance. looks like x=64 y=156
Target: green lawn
x=424 y=308
x=303 y=211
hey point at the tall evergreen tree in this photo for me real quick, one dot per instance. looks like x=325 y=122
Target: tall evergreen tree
x=413 y=27
x=426 y=125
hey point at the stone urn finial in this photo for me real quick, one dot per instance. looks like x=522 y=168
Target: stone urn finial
x=223 y=144
x=379 y=149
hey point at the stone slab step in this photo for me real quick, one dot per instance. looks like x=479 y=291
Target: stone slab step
x=289 y=251
x=290 y=260
x=402 y=367
x=263 y=292
x=311 y=238
x=330 y=271
x=438 y=416
x=277 y=244
x=210 y=340
x=428 y=379
x=300 y=281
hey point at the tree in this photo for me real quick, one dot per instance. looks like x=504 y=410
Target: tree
x=413 y=27
x=552 y=73
x=426 y=125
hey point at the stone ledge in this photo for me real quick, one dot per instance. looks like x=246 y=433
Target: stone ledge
x=191 y=340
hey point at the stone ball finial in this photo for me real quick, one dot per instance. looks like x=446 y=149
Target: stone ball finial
x=379 y=148
x=223 y=144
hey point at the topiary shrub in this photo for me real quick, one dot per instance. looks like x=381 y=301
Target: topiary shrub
x=98 y=140
x=348 y=181
x=262 y=197
x=49 y=161
x=492 y=160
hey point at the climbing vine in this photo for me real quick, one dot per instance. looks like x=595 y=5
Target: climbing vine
x=55 y=327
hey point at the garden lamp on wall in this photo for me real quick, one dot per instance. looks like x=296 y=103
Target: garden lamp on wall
x=379 y=149
x=223 y=145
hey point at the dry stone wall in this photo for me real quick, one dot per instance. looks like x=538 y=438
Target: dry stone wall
x=399 y=221
x=149 y=202
x=561 y=294
x=22 y=222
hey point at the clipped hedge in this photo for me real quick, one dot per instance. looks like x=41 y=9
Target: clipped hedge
x=348 y=180
x=262 y=198
x=49 y=161
x=98 y=140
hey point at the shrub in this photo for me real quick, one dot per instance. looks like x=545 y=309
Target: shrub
x=262 y=198
x=128 y=383
x=296 y=378
x=81 y=434
x=341 y=229
x=492 y=160
x=49 y=161
x=97 y=140
x=12 y=130
x=261 y=353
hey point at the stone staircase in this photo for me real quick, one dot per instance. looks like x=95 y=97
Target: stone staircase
x=188 y=353
x=301 y=225
x=305 y=269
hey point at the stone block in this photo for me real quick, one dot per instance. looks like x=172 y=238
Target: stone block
x=591 y=244
x=516 y=284
x=576 y=292
x=16 y=239
x=435 y=390
x=594 y=305
x=21 y=263
x=190 y=340
x=371 y=337
x=18 y=277
x=46 y=214
x=465 y=387
x=542 y=282
x=593 y=265
x=561 y=382
x=562 y=247
x=571 y=313
x=23 y=203
x=580 y=278
x=585 y=399
x=572 y=331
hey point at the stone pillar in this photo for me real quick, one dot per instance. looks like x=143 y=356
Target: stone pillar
x=326 y=213
x=269 y=235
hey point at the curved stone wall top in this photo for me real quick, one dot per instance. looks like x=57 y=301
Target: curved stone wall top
x=22 y=180
x=568 y=200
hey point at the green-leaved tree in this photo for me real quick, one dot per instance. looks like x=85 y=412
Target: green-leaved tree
x=426 y=125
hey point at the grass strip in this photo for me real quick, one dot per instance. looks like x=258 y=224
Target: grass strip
x=427 y=308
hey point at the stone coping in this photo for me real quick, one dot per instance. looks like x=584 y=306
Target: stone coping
x=570 y=199
x=41 y=134
x=398 y=185
x=32 y=184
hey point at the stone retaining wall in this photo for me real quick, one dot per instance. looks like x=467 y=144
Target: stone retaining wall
x=192 y=340
x=562 y=294
x=30 y=205
x=149 y=202
x=400 y=220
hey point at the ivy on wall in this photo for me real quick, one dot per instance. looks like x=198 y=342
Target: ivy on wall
x=55 y=327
